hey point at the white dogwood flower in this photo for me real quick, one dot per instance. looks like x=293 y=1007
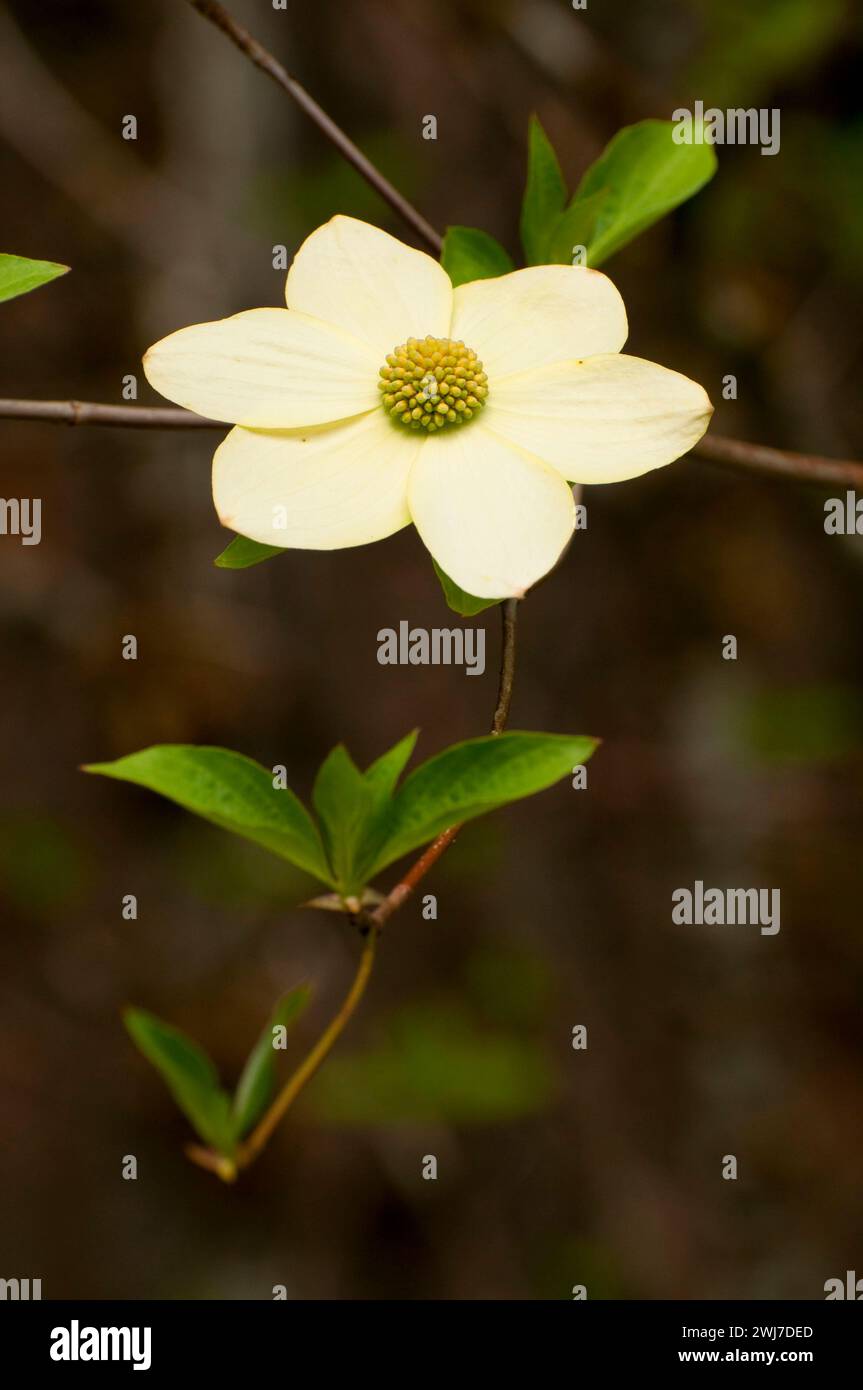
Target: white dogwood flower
x=382 y=396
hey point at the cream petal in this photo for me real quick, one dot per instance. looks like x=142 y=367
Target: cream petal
x=368 y=283
x=601 y=420
x=495 y=518
x=318 y=489
x=267 y=368
x=532 y=317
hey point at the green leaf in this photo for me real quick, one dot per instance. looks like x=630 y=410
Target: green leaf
x=544 y=195
x=470 y=254
x=242 y=553
x=343 y=801
x=576 y=227
x=258 y=1081
x=189 y=1075
x=231 y=791
x=383 y=774
x=645 y=174
x=458 y=600
x=380 y=779
x=472 y=778
x=18 y=275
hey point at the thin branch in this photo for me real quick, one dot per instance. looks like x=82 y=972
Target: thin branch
x=136 y=417
x=715 y=448
x=509 y=619
x=218 y=15
x=761 y=458
x=406 y=885
x=249 y=1150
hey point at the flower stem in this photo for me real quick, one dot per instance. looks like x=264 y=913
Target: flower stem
x=249 y=1150
x=509 y=617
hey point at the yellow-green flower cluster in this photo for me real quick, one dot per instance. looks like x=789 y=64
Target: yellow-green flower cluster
x=428 y=383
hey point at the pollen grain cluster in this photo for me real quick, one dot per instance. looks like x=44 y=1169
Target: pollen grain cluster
x=429 y=383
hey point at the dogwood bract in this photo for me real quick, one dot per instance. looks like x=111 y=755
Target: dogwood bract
x=382 y=396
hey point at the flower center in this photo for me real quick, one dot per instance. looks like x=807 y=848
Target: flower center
x=429 y=383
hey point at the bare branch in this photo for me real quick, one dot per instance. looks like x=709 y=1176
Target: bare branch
x=509 y=618
x=761 y=458
x=715 y=448
x=136 y=417
x=218 y=15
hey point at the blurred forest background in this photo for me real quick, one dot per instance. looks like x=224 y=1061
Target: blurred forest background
x=556 y=1167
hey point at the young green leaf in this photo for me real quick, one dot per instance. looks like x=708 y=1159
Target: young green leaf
x=467 y=605
x=576 y=227
x=544 y=195
x=258 y=1081
x=472 y=778
x=343 y=801
x=18 y=275
x=231 y=791
x=383 y=774
x=381 y=779
x=189 y=1075
x=646 y=174
x=471 y=254
x=242 y=553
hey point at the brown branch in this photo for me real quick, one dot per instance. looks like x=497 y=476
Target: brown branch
x=509 y=618
x=715 y=448
x=761 y=458
x=218 y=15
x=136 y=417
x=406 y=885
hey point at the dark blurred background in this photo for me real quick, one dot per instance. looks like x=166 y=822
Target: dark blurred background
x=556 y=1167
